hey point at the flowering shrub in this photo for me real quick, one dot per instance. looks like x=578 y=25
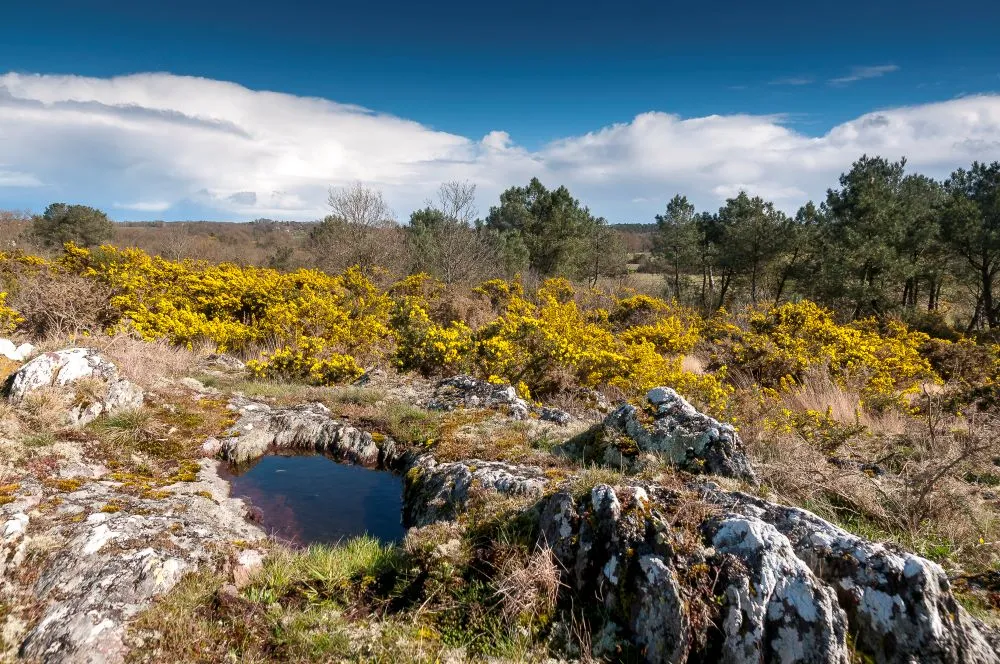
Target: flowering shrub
x=308 y=325
x=550 y=343
x=426 y=346
x=322 y=325
x=9 y=319
x=307 y=362
x=780 y=344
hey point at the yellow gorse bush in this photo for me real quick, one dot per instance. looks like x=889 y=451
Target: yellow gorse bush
x=779 y=345
x=308 y=325
x=320 y=325
x=9 y=319
x=551 y=343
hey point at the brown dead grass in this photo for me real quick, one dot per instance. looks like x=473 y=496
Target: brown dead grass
x=908 y=487
x=820 y=393
x=528 y=586
x=143 y=362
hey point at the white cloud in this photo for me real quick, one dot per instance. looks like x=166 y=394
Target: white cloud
x=144 y=206
x=171 y=146
x=17 y=179
x=861 y=73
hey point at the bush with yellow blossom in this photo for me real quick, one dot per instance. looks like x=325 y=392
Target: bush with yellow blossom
x=777 y=346
x=325 y=329
x=9 y=319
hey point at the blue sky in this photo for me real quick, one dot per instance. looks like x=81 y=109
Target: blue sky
x=548 y=75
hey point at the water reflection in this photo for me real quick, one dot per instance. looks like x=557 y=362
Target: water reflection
x=307 y=499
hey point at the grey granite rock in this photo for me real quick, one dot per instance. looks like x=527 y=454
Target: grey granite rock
x=676 y=431
x=309 y=427
x=103 y=566
x=63 y=368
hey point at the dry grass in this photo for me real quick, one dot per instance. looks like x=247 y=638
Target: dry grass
x=693 y=364
x=528 y=587
x=906 y=480
x=491 y=437
x=45 y=408
x=818 y=392
x=143 y=362
x=7 y=367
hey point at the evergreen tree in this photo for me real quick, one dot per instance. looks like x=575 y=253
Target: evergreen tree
x=80 y=224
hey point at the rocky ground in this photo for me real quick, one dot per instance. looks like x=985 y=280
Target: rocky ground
x=644 y=521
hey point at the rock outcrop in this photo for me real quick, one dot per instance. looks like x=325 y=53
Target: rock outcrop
x=669 y=429
x=95 y=558
x=65 y=368
x=685 y=572
x=440 y=491
x=17 y=353
x=719 y=575
x=309 y=427
x=468 y=392
x=900 y=606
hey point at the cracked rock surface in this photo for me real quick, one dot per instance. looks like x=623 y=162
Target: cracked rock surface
x=67 y=367
x=95 y=558
x=668 y=428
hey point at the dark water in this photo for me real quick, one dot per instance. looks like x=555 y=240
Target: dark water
x=311 y=499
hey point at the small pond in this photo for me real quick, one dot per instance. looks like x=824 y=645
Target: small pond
x=306 y=499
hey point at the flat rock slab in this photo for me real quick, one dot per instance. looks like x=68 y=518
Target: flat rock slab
x=97 y=557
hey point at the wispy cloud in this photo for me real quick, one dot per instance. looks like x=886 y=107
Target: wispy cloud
x=164 y=146
x=16 y=179
x=793 y=80
x=862 y=73
x=143 y=206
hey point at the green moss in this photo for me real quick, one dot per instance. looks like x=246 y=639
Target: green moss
x=112 y=506
x=67 y=485
x=41 y=439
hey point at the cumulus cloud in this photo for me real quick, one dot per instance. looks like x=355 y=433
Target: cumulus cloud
x=861 y=73
x=158 y=145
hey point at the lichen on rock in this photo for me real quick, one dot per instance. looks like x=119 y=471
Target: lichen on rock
x=310 y=427
x=668 y=429
x=63 y=369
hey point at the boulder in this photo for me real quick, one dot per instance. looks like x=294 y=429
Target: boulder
x=15 y=353
x=226 y=362
x=64 y=368
x=309 y=427
x=899 y=605
x=468 y=392
x=669 y=429
x=435 y=491
x=779 y=584
x=775 y=609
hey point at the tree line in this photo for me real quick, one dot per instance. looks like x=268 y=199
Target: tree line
x=882 y=241
x=533 y=230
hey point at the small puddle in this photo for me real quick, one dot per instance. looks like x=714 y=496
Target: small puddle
x=307 y=499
